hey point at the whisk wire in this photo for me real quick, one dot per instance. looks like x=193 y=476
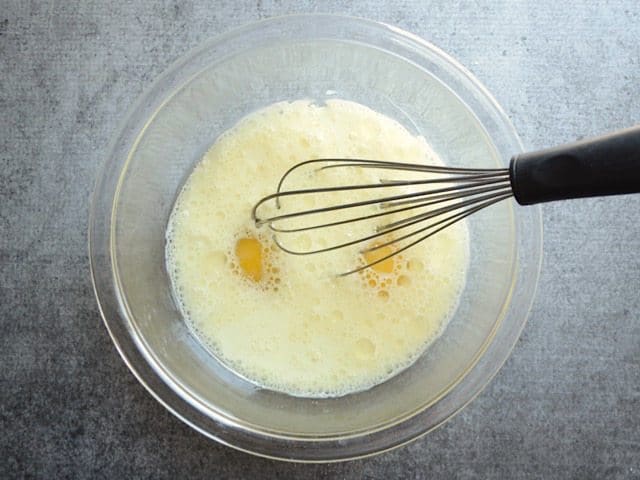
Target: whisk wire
x=421 y=197
x=453 y=219
x=391 y=228
x=457 y=193
x=474 y=181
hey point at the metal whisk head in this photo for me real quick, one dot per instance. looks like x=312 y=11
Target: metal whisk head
x=398 y=213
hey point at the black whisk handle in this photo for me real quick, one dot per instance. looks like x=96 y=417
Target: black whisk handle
x=605 y=165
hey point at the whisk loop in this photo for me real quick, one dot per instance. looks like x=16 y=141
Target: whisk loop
x=444 y=197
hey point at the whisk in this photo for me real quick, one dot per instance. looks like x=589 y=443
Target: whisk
x=605 y=165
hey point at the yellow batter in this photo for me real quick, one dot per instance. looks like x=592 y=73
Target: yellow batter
x=286 y=322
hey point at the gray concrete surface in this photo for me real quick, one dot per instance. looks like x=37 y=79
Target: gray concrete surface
x=566 y=404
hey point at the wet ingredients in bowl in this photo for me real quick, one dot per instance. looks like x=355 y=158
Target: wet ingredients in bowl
x=288 y=323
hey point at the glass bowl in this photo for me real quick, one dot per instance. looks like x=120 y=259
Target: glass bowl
x=166 y=133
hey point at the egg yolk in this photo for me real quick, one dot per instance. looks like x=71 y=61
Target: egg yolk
x=386 y=266
x=249 y=254
x=383 y=276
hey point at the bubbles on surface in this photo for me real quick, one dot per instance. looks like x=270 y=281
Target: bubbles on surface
x=299 y=328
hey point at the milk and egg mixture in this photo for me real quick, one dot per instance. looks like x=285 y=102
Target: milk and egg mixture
x=288 y=322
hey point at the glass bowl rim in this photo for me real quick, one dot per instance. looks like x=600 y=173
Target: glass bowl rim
x=221 y=428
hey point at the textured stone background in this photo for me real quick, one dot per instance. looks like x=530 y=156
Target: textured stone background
x=566 y=404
